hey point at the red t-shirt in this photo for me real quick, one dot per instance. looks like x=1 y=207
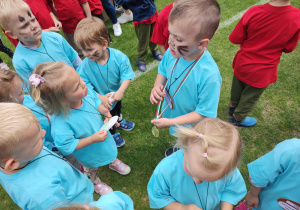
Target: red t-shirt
x=264 y=32
x=69 y=12
x=41 y=10
x=148 y=21
x=160 y=34
x=96 y=7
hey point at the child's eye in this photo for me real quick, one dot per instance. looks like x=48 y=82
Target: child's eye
x=178 y=40
x=32 y=20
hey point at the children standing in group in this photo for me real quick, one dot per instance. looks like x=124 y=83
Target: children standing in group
x=144 y=18
x=35 y=46
x=188 y=77
x=160 y=34
x=76 y=119
x=264 y=32
x=106 y=70
x=203 y=174
x=33 y=176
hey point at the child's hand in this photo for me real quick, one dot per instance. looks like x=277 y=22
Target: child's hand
x=105 y=100
x=99 y=136
x=157 y=94
x=162 y=122
x=118 y=96
x=57 y=24
x=251 y=200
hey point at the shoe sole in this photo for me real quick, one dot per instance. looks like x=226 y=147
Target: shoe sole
x=125 y=129
x=121 y=145
x=119 y=172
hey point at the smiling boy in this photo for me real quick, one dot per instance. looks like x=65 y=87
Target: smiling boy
x=35 y=46
x=188 y=77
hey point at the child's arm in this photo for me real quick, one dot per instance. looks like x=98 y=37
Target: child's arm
x=156 y=93
x=189 y=118
x=252 y=197
x=226 y=206
x=162 y=49
x=57 y=23
x=179 y=206
x=119 y=94
x=86 y=8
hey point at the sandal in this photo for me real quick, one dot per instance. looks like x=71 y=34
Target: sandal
x=157 y=55
x=141 y=65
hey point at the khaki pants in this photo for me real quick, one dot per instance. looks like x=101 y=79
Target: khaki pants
x=244 y=98
x=71 y=41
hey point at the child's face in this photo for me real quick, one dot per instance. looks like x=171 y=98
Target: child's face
x=31 y=142
x=182 y=42
x=74 y=87
x=25 y=27
x=95 y=52
x=195 y=169
x=17 y=92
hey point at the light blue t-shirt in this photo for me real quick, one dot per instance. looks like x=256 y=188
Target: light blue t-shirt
x=81 y=123
x=53 y=48
x=47 y=183
x=278 y=172
x=169 y=182
x=109 y=77
x=113 y=201
x=201 y=90
x=42 y=117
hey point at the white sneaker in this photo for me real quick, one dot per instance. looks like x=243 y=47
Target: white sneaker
x=124 y=18
x=117 y=29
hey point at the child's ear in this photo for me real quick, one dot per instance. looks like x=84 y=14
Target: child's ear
x=11 y=34
x=203 y=43
x=11 y=164
x=105 y=44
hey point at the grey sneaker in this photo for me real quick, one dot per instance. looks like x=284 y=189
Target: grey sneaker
x=124 y=18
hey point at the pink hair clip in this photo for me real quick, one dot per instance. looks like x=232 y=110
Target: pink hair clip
x=200 y=135
x=36 y=79
x=205 y=155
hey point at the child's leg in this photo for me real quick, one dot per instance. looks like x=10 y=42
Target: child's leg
x=237 y=88
x=116 y=111
x=120 y=167
x=6 y=50
x=110 y=10
x=71 y=41
x=153 y=47
x=100 y=187
x=124 y=124
x=143 y=34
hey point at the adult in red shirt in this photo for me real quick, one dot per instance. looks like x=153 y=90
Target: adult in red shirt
x=160 y=34
x=42 y=12
x=264 y=32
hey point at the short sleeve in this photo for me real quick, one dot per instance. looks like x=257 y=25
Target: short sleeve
x=159 y=190
x=126 y=69
x=208 y=98
x=239 y=33
x=292 y=43
x=235 y=188
x=81 y=71
x=162 y=67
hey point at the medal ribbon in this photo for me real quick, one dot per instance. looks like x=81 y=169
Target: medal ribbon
x=157 y=115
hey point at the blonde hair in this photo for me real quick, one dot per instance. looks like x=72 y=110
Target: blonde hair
x=9 y=8
x=49 y=94
x=15 y=119
x=7 y=84
x=89 y=31
x=203 y=13
x=214 y=135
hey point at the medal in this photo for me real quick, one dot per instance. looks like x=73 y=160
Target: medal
x=155 y=131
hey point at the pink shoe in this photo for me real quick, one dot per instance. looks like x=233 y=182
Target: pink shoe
x=102 y=188
x=241 y=206
x=120 y=167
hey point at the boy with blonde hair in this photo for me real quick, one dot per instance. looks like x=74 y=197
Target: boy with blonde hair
x=35 y=46
x=33 y=176
x=188 y=77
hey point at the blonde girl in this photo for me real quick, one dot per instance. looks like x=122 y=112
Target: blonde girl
x=76 y=119
x=203 y=173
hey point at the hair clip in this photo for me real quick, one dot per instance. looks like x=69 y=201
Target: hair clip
x=200 y=135
x=205 y=155
x=36 y=79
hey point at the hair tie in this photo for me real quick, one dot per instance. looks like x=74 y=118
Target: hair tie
x=36 y=79
x=205 y=155
x=200 y=135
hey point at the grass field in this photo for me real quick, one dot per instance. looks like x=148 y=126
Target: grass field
x=277 y=111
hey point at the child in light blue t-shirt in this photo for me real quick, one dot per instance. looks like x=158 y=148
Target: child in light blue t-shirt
x=35 y=46
x=106 y=70
x=203 y=174
x=275 y=178
x=33 y=176
x=76 y=119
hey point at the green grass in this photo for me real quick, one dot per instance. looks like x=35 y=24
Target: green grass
x=277 y=111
